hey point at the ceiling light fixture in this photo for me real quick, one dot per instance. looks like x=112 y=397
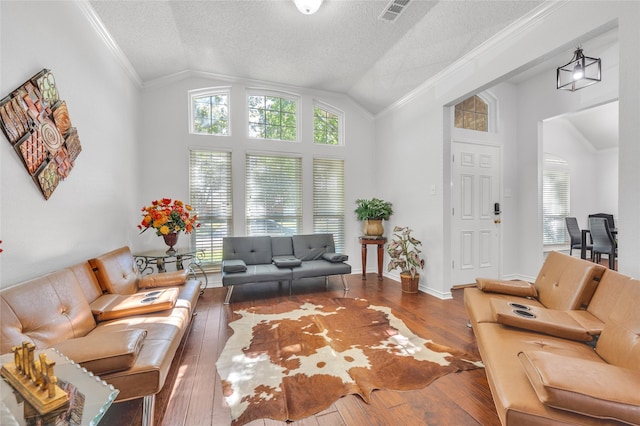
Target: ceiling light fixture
x=580 y=72
x=308 y=7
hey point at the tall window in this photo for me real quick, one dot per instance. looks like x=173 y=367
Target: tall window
x=273 y=117
x=327 y=125
x=210 y=195
x=273 y=195
x=472 y=114
x=555 y=200
x=210 y=112
x=328 y=199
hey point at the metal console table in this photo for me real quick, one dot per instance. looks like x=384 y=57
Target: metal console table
x=159 y=258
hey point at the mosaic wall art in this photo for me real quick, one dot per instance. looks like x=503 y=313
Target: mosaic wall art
x=36 y=122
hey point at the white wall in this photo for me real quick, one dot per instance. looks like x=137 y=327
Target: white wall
x=606 y=186
x=539 y=100
x=165 y=143
x=420 y=149
x=594 y=174
x=561 y=138
x=94 y=209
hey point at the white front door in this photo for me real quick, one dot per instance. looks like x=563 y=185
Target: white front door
x=475 y=226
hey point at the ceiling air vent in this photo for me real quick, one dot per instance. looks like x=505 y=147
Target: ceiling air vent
x=393 y=10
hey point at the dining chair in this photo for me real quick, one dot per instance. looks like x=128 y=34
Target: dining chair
x=609 y=217
x=576 y=236
x=603 y=241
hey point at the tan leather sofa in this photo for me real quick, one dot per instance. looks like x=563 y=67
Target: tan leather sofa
x=103 y=314
x=573 y=357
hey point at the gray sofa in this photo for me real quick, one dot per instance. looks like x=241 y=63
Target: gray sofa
x=247 y=260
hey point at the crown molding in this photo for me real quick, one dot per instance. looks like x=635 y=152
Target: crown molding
x=97 y=24
x=504 y=37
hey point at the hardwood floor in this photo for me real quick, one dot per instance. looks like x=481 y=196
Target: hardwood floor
x=192 y=392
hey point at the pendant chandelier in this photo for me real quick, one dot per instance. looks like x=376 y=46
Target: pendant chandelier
x=580 y=72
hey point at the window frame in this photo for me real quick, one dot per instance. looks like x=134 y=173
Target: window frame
x=276 y=94
x=335 y=111
x=204 y=92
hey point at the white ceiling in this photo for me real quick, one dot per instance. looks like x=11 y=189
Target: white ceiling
x=343 y=48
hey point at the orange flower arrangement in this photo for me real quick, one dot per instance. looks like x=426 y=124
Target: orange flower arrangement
x=166 y=216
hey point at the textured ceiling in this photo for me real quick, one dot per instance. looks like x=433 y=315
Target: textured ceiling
x=343 y=48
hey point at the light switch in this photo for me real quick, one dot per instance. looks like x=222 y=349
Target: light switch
x=433 y=189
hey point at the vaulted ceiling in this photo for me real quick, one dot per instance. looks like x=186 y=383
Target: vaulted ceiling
x=343 y=48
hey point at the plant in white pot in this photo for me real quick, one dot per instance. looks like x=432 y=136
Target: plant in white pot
x=405 y=255
x=372 y=212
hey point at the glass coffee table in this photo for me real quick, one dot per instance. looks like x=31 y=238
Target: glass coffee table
x=89 y=397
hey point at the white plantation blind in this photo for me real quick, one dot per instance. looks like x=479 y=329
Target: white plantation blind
x=273 y=195
x=328 y=199
x=210 y=195
x=555 y=201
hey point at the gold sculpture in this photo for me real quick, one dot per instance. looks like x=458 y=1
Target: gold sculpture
x=34 y=378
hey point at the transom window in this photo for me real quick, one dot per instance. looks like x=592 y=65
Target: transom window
x=327 y=125
x=472 y=114
x=210 y=111
x=273 y=117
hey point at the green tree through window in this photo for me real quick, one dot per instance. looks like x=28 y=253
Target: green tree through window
x=272 y=117
x=326 y=127
x=211 y=113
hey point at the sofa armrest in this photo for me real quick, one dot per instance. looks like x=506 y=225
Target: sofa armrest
x=335 y=257
x=232 y=266
x=164 y=279
x=543 y=320
x=513 y=288
x=103 y=353
x=592 y=388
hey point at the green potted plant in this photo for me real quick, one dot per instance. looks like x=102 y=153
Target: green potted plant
x=405 y=255
x=372 y=212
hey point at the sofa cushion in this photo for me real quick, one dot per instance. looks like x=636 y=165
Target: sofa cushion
x=44 y=311
x=312 y=246
x=257 y=273
x=514 y=288
x=112 y=306
x=335 y=257
x=587 y=387
x=286 y=261
x=320 y=268
x=103 y=353
x=281 y=246
x=234 y=265
x=253 y=250
x=619 y=343
x=164 y=279
x=565 y=282
x=117 y=271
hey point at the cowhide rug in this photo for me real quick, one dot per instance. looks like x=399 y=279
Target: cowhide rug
x=290 y=360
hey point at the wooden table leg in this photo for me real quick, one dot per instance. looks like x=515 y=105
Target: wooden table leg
x=364 y=261
x=380 y=258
